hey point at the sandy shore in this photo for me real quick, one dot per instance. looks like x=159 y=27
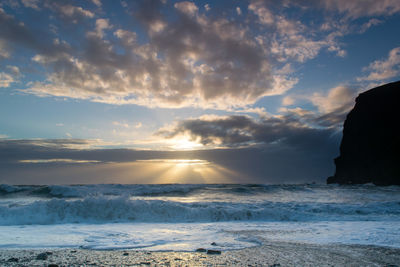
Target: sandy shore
x=271 y=253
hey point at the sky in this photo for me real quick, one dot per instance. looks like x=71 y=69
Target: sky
x=163 y=91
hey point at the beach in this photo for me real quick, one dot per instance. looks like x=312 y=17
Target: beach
x=269 y=254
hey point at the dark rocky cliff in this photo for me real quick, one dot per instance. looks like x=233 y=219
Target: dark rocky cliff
x=370 y=148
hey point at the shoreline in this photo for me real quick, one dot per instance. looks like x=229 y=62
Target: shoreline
x=270 y=253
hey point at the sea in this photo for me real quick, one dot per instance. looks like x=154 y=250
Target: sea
x=184 y=217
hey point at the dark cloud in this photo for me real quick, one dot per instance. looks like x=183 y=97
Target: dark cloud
x=148 y=12
x=189 y=60
x=279 y=149
x=14 y=33
x=235 y=131
x=272 y=164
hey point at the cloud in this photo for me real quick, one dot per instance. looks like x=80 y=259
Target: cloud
x=12 y=76
x=177 y=55
x=265 y=16
x=14 y=70
x=120 y=124
x=380 y=70
x=239 y=130
x=68 y=12
x=149 y=14
x=283 y=83
x=334 y=106
x=292 y=43
x=128 y=38
x=296 y=128
x=193 y=61
x=303 y=40
x=13 y=31
x=54 y=163
x=338 y=98
x=187 y=7
x=356 y=9
x=293 y=39
x=97 y=3
x=267 y=148
x=45 y=144
x=351 y=9
x=4 y=53
x=13 y=151
x=124 y=4
x=6 y=79
x=288 y=100
x=15 y=34
x=69 y=161
x=299 y=139
x=238 y=11
x=63 y=9
x=369 y=24
x=31 y=3
x=101 y=25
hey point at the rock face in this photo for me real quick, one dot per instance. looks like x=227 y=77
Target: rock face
x=370 y=148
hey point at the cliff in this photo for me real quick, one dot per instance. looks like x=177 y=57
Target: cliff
x=370 y=147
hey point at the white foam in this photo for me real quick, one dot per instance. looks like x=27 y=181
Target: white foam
x=147 y=236
x=190 y=236
x=376 y=233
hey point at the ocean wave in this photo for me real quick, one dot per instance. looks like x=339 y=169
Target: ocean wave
x=125 y=209
x=82 y=191
x=6 y=189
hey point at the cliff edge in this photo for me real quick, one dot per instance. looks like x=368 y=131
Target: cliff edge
x=370 y=147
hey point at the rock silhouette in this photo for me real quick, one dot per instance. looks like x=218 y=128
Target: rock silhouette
x=370 y=147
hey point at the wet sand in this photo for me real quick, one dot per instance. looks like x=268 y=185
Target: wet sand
x=271 y=253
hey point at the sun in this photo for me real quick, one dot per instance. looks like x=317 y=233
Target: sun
x=184 y=143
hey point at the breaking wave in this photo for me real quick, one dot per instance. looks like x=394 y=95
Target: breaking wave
x=124 y=209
